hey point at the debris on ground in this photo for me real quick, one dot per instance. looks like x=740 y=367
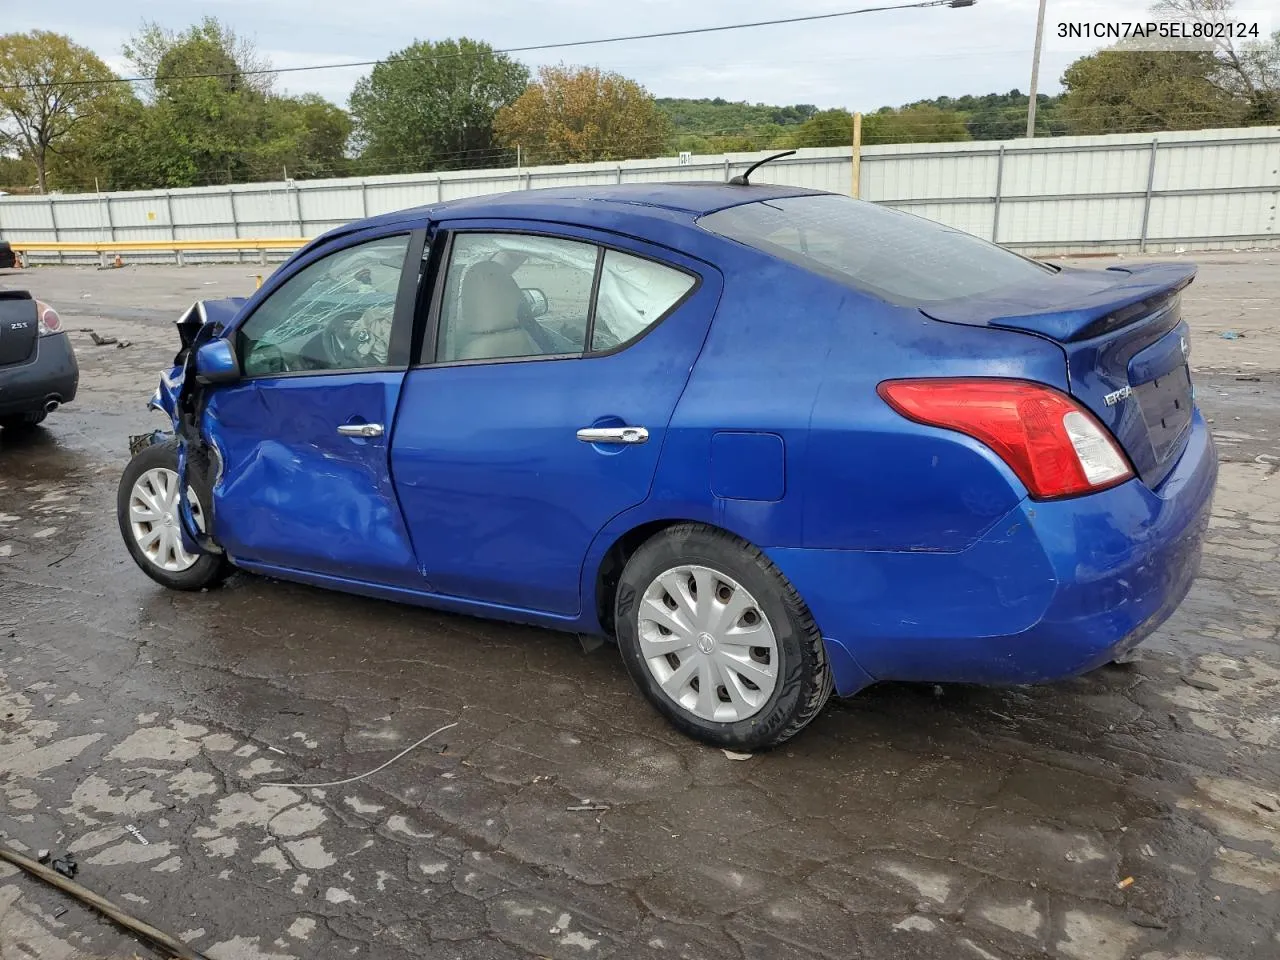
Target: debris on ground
x=101 y=341
x=42 y=856
x=1231 y=335
x=588 y=805
x=1201 y=684
x=137 y=835
x=66 y=865
x=123 y=344
x=1125 y=884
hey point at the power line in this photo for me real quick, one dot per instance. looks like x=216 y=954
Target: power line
x=563 y=45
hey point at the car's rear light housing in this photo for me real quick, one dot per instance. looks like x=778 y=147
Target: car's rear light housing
x=1055 y=446
x=48 y=320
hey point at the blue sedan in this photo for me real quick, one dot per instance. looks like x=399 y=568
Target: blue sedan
x=776 y=442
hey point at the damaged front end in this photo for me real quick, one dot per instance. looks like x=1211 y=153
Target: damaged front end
x=181 y=397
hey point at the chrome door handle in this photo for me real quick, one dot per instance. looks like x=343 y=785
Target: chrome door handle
x=613 y=434
x=361 y=429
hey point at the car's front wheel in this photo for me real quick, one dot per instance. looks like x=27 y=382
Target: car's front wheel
x=147 y=511
x=718 y=640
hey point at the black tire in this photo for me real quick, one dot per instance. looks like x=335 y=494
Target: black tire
x=207 y=571
x=804 y=677
x=23 y=421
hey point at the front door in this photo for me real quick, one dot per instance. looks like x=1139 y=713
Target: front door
x=304 y=436
x=551 y=369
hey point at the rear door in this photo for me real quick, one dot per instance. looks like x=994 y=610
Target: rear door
x=303 y=438
x=554 y=360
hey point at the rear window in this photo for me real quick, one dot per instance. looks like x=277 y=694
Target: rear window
x=897 y=256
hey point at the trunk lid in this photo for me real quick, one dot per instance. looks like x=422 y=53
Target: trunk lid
x=1126 y=348
x=19 y=326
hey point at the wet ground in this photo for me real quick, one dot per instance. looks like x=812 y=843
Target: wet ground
x=561 y=817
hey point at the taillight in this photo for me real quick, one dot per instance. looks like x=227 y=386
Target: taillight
x=1054 y=445
x=49 y=321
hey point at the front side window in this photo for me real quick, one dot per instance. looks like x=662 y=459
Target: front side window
x=333 y=314
x=510 y=295
x=634 y=294
x=902 y=258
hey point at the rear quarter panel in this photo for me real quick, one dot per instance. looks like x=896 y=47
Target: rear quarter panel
x=799 y=356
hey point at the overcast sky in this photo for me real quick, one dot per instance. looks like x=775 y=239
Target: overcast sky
x=861 y=62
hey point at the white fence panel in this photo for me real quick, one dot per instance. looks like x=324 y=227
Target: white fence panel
x=1198 y=189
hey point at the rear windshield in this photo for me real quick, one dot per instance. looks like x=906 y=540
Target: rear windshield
x=902 y=258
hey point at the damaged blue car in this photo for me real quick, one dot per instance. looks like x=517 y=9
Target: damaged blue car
x=775 y=442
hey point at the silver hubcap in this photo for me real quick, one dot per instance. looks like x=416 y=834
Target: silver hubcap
x=708 y=644
x=153 y=517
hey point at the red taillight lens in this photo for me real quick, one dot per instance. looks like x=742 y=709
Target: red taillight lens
x=1054 y=445
x=49 y=321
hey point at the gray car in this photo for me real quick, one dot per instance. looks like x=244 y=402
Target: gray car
x=38 y=370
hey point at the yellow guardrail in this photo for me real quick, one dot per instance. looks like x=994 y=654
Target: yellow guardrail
x=106 y=249
x=109 y=246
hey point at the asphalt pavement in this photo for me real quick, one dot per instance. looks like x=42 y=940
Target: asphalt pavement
x=1134 y=812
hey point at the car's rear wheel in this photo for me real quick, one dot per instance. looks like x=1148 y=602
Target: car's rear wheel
x=147 y=511
x=22 y=421
x=718 y=640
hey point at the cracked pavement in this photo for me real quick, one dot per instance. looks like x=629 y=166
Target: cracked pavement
x=561 y=817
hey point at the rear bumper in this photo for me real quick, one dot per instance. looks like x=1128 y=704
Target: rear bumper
x=50 y=374
x=1053 y=590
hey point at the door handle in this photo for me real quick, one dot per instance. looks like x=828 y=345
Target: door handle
x=361 y=429
x=613 y=434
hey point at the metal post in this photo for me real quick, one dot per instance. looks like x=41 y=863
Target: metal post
x=726 y=169
x=1146 y=204
x=364 y=198
x=168 y=205
x=235 y=221
x=995 y=213
x=439 y=189
x=619 y=180
x=1035 y=73
x=53 y=220
x=297 y=207
x=111 y=224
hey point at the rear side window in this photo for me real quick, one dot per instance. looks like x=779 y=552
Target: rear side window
x=897 y=256
x=634 y=294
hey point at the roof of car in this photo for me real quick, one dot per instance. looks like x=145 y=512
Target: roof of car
x=688 y=200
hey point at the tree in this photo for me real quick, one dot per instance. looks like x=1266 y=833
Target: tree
x=48 y=85
x=1248 y=71
x=309 y=136
x=918 y=123
x=581 y=114
x=1124 y=91
x=828 y=128
x=206 y=47
x=432 y=105
x=211 y=117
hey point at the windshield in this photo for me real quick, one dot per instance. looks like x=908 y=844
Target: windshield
x=897 y=256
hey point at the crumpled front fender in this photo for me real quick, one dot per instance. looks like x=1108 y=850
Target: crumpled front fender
x=180 y=396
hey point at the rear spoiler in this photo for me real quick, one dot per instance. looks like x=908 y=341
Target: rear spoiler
x=1076 y=304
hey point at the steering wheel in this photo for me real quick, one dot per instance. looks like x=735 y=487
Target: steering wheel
x=338 y=342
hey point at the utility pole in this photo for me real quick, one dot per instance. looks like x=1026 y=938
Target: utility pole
x=1035 y=73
